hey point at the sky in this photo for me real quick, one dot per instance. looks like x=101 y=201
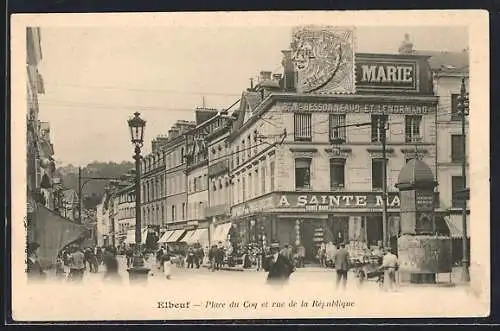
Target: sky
x=96 y=78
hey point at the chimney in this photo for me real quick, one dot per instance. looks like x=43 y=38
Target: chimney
x=406 y=46
x=288 y=71
x=153 y=145
x=265 y=75
x=251 y=83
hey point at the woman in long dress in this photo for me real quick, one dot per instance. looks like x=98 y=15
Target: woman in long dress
x=167 y=265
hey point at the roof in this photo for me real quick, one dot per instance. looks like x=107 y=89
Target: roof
x=270 y=84
x=447 y=61
x=415 y=173
x=203 y=115
x=248 y=98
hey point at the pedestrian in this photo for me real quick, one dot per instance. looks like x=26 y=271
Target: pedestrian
x=129 y=254
x=166 y=265
x=390 y=265
x=60 y=273
x=342 y=265
x=189 y=257
x=34 y=268
x=219 y=257
x=301 y=254
x=159 y=257
x=211 y=256
x=258 y=257
x=278 y=266
x=99 y=255
x=112 y=267
x=76 y=264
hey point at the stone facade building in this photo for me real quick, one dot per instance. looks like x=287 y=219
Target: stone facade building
x=312 y=186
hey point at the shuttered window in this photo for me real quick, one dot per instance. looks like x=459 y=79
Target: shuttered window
x=337 y=127
x=302 y=127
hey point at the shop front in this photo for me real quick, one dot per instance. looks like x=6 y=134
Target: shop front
x=308 y=220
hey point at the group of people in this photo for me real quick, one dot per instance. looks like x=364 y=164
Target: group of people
x=72 y=261
x=387 y=268
x=216 y=256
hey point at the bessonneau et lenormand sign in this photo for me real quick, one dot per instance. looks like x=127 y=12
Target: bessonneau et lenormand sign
x=358 y=107
x=318 y=202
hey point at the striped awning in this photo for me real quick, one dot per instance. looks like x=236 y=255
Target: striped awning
x=165 y=236
x=174 y=237
x=455 y=226
x=198 y=236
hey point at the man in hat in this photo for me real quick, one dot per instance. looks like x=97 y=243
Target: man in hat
x=342 y=265
x=34 y=269
x=278 y=266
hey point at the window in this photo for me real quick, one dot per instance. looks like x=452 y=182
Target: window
x=243 y=180
x=182 y=154
x=302 y=127
x=237 y=155
x=455 y=115
x=263 y=179
x=377 y=173
x=194 y=184
x=249 y=146
x=183 y=211
x=457 y=148
x=378 y=127
x=173 y=212
x=250 y=184
x=457 y=185
x=256 y=182
x=412 y=128
x=337 y=169
x=271 y=177
x=243 y=151
x=303 y=173
x=335 y=131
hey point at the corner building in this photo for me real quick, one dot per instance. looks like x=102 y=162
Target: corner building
x=296 y=182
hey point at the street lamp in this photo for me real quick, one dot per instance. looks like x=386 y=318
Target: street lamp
x=463 y=111
x=138 y=272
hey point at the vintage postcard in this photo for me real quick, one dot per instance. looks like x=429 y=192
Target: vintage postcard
x=187 y=166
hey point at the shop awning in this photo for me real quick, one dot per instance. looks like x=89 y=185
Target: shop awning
x=221 y=232
x=130 y=239
x=188 y=236
x=174 y=237
x=53 y=232
x=163 y=239
x=455 y=226
x=198 y=235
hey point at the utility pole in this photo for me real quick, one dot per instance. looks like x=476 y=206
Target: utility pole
x=383 y=125
x=463 y=109
x=80 y=189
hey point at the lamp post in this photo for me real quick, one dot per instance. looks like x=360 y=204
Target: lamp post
x=138 y=272
x=463 y=110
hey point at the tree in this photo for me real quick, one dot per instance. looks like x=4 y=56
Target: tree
x=93 y=191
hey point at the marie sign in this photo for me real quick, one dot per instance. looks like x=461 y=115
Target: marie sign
x=337 y=200
x=393 y=73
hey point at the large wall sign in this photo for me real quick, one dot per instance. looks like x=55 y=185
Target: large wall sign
x=357 y=107
x=324 y=59
x=393 y=73
x=330 y=201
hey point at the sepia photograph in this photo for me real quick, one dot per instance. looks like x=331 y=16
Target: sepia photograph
x=266 y=165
